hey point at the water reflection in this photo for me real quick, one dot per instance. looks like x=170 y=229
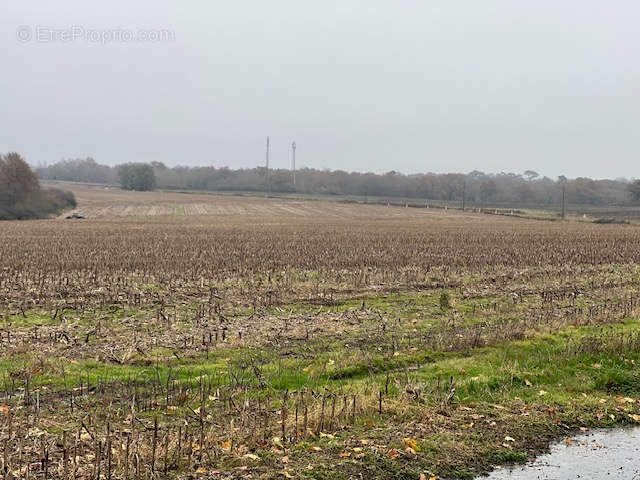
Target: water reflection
x=606 y=454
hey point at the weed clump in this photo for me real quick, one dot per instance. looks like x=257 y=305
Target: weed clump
x=445 y=301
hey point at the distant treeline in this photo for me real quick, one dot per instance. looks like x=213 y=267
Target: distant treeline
x=477 y=187
x=21 y=196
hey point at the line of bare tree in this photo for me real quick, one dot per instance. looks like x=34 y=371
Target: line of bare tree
x=477 y=187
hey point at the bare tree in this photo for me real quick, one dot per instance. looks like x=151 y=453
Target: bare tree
x=19 y=180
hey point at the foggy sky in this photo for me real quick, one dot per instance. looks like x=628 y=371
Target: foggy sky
x=366 y=85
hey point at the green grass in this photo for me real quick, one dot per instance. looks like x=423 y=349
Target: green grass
x=29 y=319
x=552 y=378
x=521 y=368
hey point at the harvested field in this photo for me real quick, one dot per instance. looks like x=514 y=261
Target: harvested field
x=107 y=202
x=208 y=336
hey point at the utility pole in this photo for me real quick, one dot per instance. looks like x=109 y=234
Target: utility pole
x=464 y=195
x=293 y=162
x=564 y=199
x=268 y=182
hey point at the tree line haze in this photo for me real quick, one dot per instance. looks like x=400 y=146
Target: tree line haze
x=476 y=187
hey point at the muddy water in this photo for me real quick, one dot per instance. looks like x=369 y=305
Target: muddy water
x=606 y=454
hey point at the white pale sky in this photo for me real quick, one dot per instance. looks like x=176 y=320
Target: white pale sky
x=366 y=85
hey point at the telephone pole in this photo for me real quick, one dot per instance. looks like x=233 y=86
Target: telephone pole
x=268 y=182
x=464 y=195
x=293 y=162
x=564 y=200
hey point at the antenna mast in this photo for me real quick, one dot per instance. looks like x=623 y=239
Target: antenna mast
x=268 y=182
x=293 y=162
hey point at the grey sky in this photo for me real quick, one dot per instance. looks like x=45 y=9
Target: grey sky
x=369 y=85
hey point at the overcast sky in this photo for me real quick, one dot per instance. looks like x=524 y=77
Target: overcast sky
x=367 y=85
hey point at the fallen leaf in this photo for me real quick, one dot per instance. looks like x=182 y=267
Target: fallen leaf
x=393 y=453
x=411 y=443
x=252 y=456
x=4 y=409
